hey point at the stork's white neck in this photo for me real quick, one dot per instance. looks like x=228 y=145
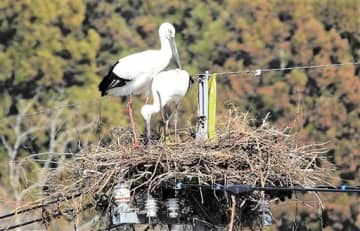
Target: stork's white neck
x=165 y=46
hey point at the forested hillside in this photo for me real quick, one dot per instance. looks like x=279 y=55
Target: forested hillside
x=54 y=53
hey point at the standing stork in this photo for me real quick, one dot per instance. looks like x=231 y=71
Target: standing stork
x=133 y=74
x=167 y=86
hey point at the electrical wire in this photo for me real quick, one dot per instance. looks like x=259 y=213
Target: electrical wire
x=260 y=71
x=22 y=224
x=220 y=74
x=45 y=218
x=342 y=189
x=242 y=188
x=41 y=205
x=233 y=188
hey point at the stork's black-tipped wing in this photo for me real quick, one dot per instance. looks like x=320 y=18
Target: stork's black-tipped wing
x=111 y=80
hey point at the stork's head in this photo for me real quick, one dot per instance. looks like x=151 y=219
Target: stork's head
x=147 y=111
x=167 y=29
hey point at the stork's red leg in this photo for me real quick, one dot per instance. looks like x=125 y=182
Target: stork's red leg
x=166 y=128
x=134 y=138
x=175 y=125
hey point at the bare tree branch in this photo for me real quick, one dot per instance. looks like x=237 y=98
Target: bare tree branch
x=6 y=145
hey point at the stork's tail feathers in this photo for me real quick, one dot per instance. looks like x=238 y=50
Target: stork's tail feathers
x=105 y=83
x=111 y=80
x=191 y=82
x=102 y=86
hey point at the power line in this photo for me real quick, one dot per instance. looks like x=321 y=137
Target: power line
x=258 y=72
x=237 y=189
x=41 y=205
x=232 y=188
x=45 y=218
x=242 y=188
x=22 y=224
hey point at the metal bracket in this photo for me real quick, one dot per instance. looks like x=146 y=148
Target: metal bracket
x=125 y=218
x=203 y=110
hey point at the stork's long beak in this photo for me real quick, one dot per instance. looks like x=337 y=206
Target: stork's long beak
x=175 y=52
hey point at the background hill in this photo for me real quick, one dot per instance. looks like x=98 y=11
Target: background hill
x=54 y=53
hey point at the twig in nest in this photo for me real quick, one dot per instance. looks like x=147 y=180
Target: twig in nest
x=233 y=206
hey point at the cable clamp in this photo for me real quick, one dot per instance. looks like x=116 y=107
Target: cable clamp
x=258 y=72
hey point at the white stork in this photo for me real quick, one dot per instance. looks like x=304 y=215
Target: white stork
x=167 y=86
x=133 y=73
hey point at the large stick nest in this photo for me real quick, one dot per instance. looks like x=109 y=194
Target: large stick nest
x=241 y=154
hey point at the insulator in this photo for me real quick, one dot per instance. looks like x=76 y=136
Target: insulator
x=172 y=205
x=265 y=213
x=264 y=206
x=121 y=195
x=151 y=207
